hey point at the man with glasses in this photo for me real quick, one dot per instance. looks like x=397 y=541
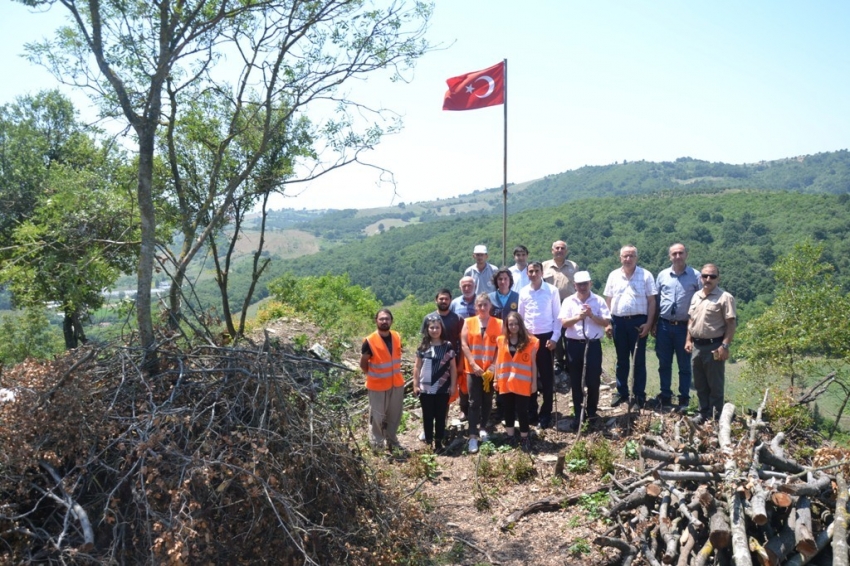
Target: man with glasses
x=676 y=286
x=539 y=306
x=710 y=332
x=630 y=294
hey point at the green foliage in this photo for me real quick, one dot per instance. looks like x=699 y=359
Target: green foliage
x=521 y=468
x=331 y=301
x=423 y=467
x=594 y=504
x=27 y=334
x=407 y=319
x=785 y=414
x=603 y=455
x=632 y=449
x=579 y=547
x=805 y=327
x=578 y=465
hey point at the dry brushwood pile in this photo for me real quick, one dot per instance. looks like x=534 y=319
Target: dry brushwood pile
x=726 y=493
x=226 y=456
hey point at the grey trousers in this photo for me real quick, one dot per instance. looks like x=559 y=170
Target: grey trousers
x=709 y=379
x=385 y=415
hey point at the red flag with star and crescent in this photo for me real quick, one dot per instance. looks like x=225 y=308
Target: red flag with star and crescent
x=478 y=89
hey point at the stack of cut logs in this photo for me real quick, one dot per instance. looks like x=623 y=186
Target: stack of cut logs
x=732 y=501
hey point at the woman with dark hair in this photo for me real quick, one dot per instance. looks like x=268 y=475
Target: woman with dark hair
x=503 y=299
x=434 y=378
x=515 y=374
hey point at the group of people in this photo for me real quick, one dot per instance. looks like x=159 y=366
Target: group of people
x=512 y=330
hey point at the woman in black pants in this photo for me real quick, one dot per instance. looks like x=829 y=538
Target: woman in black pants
x=435 y=377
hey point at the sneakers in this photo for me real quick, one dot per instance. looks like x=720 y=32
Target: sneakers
x=525 y=443
x=473 y=446
x=483 y=435
x=574 y=424
x=618 y=400
x=422 y=436
x=698 y=419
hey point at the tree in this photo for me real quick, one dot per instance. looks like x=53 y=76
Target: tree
x=293 y=54
x=76 y=234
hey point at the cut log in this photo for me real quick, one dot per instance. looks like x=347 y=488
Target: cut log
x=781 y=499
x=645 y=495
x=666 y=528
x=805 y=539
x=724 y=428
x=719 y=532
x=839 y=534
x=687 y=545
x=701 y=558
x=682 y=458
x=821 y=542
x=812 y=488
x=628 y=552
x=779 y=547
x=776 y=444
x=740 y=544
x=688 y=476
x=768 y=458
x=758 y=504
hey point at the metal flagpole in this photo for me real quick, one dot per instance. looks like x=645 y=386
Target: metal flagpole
x=505 y=173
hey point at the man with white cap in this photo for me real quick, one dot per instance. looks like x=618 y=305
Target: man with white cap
x=585 y=316
x=481 y=272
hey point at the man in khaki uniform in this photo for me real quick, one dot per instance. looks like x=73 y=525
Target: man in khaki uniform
x=710 y=331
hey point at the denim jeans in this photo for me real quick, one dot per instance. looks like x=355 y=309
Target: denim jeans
x=669 y=340
x=626 y=336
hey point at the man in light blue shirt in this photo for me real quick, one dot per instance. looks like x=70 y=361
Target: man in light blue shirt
x=676 y=286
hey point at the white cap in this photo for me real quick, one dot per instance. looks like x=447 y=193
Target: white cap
x=581 y=277
x=480 y=249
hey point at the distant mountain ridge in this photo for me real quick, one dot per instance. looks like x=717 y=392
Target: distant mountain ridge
x=827 y=172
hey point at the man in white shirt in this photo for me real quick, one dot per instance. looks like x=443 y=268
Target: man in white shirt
x=539 y=306
x=520 y=268
x=481 y=271
x=630 y=295
x=559 y=271
x=585 y=317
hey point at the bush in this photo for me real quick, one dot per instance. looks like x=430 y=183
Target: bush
x=28 y=334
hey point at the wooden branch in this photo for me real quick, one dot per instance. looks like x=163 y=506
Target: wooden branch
x=810 y=489
x=724 y=428
x=553 y=503
x=758 y=504
x=768 y=458
x=658 y=442
x=758 y=423
x=718 y=528
x=644 y=495
x=628 y=552
x=75 y=508
x=740 y=544
x=687 y=544
x=821 y=542
x=805 y=539
x=780 y=546
x=776 y=444
x=688 y=476
x=701 y=558
x=649 y=547
x=666 y=528
x=839 y=534
x=683 y=458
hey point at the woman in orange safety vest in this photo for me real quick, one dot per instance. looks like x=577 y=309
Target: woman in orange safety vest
x=478 y=342
x=516 y=375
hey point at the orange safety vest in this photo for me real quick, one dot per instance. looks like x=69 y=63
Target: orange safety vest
x=513 y=373
x=384 y=369
x=483 y=348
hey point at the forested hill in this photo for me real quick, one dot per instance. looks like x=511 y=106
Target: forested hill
x=743 y=231
x=820 y=173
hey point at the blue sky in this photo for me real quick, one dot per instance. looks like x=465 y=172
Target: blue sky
x=589 y=83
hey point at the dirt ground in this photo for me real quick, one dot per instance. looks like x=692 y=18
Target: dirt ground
x=467 y=498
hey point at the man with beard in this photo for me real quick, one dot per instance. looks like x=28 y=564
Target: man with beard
x=380 y=360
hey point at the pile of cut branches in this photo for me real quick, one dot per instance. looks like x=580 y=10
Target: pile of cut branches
x=226 y=456
x=726 y=492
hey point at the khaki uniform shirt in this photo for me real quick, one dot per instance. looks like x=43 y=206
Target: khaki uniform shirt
x=709 y=314
x=561 y=279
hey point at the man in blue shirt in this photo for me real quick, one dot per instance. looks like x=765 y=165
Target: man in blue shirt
x=676 y=286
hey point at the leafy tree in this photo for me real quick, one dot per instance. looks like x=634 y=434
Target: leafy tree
x=806 y=327
x=293 y=54
x=75 y=236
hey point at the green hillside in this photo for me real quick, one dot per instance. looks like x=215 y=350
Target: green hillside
x=743 y=231
x=821 y=173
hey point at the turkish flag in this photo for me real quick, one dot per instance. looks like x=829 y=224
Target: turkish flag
x=477 y=89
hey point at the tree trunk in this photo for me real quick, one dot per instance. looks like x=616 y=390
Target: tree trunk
x=147 y=215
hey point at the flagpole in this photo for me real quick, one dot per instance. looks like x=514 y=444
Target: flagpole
x=505 y=175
